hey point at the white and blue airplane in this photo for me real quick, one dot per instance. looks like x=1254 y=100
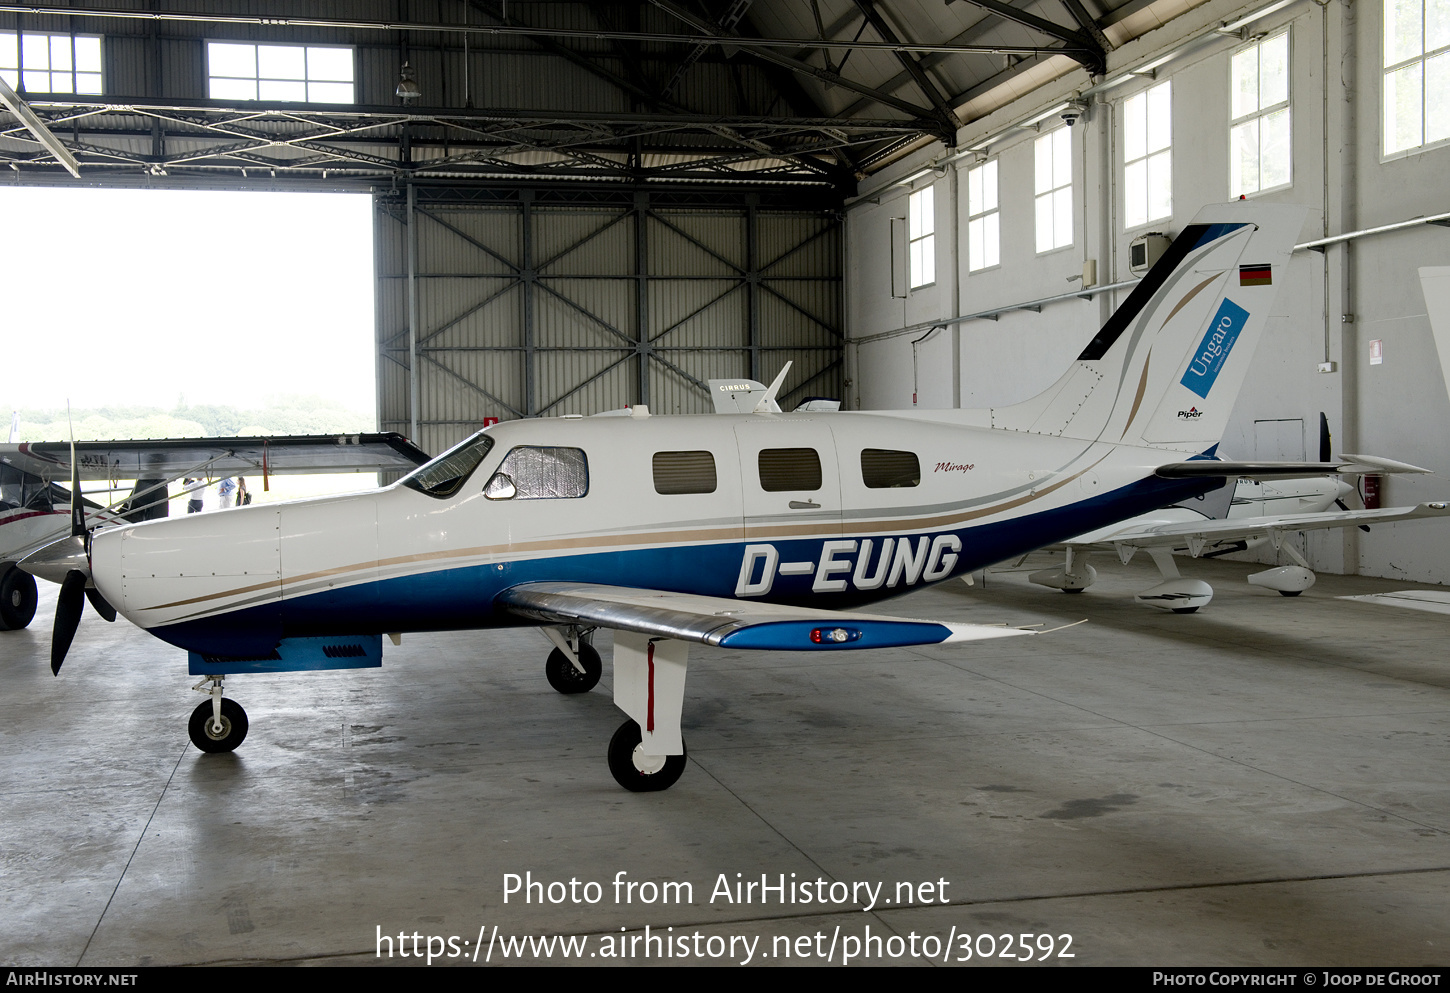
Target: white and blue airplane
x=761 y=530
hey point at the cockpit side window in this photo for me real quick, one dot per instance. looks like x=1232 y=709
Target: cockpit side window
x=446 y=474
x=22 y=491
x=529 y=473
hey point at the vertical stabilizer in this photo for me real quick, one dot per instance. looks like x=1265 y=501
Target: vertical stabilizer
x=1166 y=368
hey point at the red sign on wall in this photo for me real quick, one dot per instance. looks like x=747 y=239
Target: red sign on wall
x=489 y=422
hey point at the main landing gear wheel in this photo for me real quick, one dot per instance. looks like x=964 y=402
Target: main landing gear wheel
x=637 y=772
x=567 y=679
x=224 y=739
x=1290 y=592
x=17 y=599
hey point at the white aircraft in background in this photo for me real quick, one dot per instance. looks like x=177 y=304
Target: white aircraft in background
x=35 y=509
x=734 y=531
x=1235 y=518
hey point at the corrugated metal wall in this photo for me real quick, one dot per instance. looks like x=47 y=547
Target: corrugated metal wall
x=557 y=301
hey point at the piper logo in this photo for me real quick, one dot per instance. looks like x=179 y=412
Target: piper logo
x=1190 y=413
x=850 y=564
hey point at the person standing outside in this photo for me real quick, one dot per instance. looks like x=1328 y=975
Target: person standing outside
x=224 y=490
x=193 y=496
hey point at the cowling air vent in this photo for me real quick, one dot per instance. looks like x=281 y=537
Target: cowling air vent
x=298 y=655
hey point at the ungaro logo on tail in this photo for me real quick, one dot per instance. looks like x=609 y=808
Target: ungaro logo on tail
x=1213 y=351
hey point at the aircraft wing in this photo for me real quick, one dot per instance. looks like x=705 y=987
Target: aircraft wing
x=1209 y=532
x=174 y=457
x=731 y=623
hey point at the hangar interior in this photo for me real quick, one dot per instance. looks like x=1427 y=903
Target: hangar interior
x=582 y=207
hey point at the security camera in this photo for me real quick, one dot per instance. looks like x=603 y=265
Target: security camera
x=1072 y=112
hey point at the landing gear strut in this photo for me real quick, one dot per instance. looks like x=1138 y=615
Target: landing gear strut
x=218 y=725
x=574 y=665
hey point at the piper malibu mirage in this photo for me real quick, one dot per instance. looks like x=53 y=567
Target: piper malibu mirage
x=734 y=531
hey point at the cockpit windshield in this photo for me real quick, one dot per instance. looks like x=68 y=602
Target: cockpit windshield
x=446 y=474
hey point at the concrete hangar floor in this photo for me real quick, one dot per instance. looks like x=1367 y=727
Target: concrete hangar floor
x=1263 y=782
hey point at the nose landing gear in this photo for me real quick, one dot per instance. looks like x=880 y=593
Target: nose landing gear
x=217 y=725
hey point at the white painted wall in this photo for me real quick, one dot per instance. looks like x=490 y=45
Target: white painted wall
x=1371 y=286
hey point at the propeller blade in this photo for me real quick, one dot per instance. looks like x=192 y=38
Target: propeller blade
x=103 y=608
x=68 y=609
x=77 y=507
x=1325 y=447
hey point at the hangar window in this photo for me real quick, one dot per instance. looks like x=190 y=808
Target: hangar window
x=444 y=476
x=1053 y=182
x=50 y=63
x=1148 y=155
x=684 y=472
x=1416 y=74
x=882 y=469
x=1260 y=150
x=300 y=73
x=783 y=469
x=921 y=230
x=540 y=474
x=984 y=240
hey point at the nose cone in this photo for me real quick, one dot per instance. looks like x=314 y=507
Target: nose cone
x=1344 y=489
x=57 y=559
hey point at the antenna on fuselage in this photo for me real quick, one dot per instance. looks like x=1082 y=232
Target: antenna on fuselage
x=767 y=402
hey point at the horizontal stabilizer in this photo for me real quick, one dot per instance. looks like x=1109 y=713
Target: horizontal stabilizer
x=1208 y=533
x=731 y=623
x=1352 y=465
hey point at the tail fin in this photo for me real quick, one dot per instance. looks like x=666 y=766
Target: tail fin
x=1166 y=368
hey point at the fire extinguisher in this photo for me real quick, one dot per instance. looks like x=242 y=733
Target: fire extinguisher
x=1372 y=483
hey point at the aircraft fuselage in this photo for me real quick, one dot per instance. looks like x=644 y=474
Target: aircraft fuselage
x=830 y=510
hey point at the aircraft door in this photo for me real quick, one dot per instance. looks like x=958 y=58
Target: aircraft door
x=791 y=495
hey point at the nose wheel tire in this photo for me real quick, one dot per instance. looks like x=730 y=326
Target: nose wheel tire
x=212 y=739
x=637 y=772
x=17 y=599
x=567 y=679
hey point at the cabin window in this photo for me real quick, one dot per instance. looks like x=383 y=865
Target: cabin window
x=882 y=469
x=446 y=474
x=684 y=472
x=540 y=474
x=783 y=469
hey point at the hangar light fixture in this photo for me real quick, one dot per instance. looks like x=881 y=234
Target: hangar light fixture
x=408 y=84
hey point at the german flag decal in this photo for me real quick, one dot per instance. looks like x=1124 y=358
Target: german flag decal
x=1256 y=275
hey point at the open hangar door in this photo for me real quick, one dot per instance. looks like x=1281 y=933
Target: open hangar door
x=520 y=302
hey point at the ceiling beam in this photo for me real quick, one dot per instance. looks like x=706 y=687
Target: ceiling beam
x=43 y=134
x=924 y=115
x=913 y=68
x=502 y=29
x=1080 y=46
